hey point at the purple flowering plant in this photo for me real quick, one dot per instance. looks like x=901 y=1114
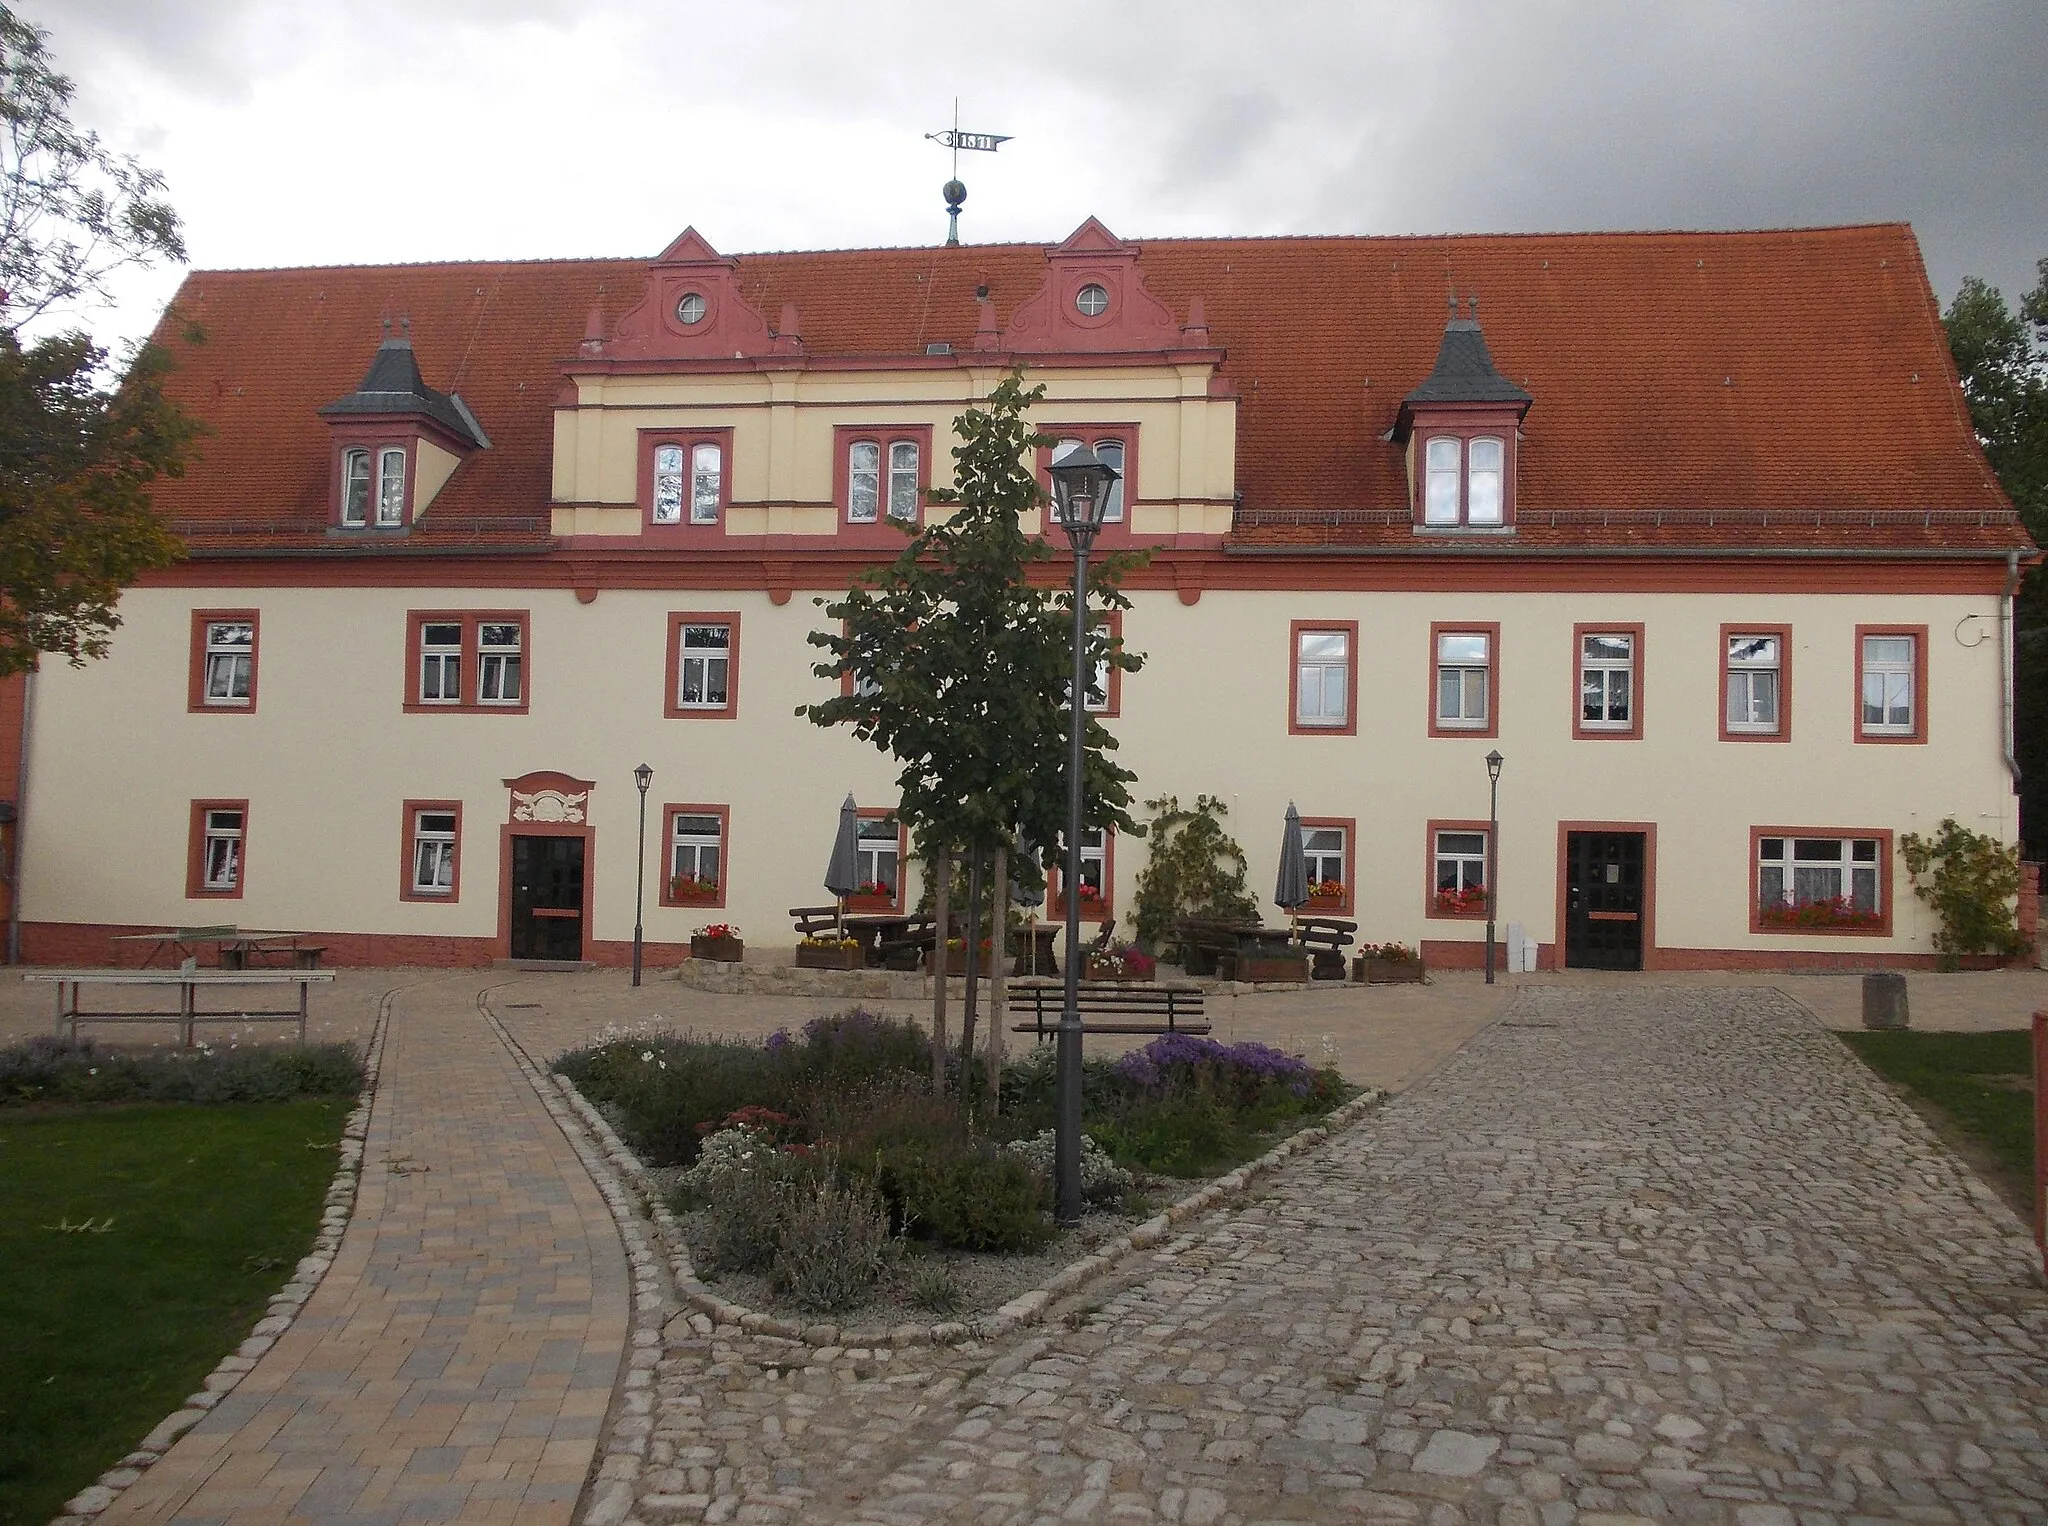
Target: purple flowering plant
x=1181 y=1062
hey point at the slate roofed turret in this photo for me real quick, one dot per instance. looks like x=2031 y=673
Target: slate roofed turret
x=393 y=386
x=1464 y=373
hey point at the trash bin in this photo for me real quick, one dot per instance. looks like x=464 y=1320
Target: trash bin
x=1884 y=1000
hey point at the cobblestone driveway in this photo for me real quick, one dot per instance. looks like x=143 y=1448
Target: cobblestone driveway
x=1664 y=1254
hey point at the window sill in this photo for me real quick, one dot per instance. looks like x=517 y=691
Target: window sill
x=1461 y=532
x=368 y=532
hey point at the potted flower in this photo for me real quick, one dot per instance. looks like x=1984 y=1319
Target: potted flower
x=956 y=957
x=1385 y=963
x=830 y=954
x=1122 y=962
x=720 y=941
x=692 y=889
x=1326 y=893
x=1829 y=914
x=1468 y=902
x=1273 y=963
x=872 y=895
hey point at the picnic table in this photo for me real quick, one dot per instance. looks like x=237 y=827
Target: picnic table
x=71 y=986
x=234 y=948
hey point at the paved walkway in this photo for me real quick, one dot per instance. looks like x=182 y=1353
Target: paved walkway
x=457 y=1362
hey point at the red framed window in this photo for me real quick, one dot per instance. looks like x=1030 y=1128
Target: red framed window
x=216 y=851
x=1607 y=694
x=703 y=665
x=1098 y=878
x=1891 y=683
x=1458 y=864
x=1116 y=444
x=1828 y=880
x=880 y=475
x=685 y=479
x=1465 y=478
x=373 y=483
x=694 y=856
x=1322 y=683
x=222 y=674
x=474 y=661
x=880 y=852
x=432 y=852
x=1756 y=683
x=1464 y=679
x=1329 y=844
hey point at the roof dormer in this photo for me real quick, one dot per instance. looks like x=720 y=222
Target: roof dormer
x=1461 y=429
x=1095 y=301
x=396 y=442
x=692 y=310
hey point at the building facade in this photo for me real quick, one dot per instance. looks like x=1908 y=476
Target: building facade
x=1691 y=528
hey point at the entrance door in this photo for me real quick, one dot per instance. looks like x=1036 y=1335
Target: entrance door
x=547 y=897
x=1603 y=901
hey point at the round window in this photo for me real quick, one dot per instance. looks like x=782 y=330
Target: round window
x=690 y=309
x=1092 y=300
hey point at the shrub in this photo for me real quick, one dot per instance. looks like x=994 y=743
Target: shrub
x=746 y=1209
x=1195 y=869
x=749 y=1137
x=1970 y=881
x=659 y=1089
x=1186 y=1135
x=854 y=1045
x=969 y=1196
x=47 y=1069
x=932 y=1287
x=1246 y=1073
x=831 y=1246
x=1102 y=1179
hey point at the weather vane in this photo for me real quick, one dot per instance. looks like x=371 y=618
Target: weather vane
x=955 y=193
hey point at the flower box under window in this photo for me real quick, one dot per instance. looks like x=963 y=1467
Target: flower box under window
x=1468 y=902
x=1835 y=913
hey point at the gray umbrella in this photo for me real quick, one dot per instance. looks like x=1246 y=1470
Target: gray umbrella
x=1028 y=892
x=1290 y=890
x=842 y=874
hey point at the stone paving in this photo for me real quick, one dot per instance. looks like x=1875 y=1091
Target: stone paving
x=1631 y=1255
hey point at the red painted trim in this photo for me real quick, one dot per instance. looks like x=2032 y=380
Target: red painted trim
x=1295 y=628
x=669 y=813
x=1115 y=533
x=1918 y=734
x=1429 y=906
x=1113 y=698
x=1784 y=635
x=1346 y=906
x=1464 y=423
x=682 y=533
x=402 y=435
x=1886 y=878
x=195 y=852
x=471 y=663
x=885 y=904
x=503 y=946
x=195 y=683
x=1653 y=957
x=1490 y=629
x=1099 y=912
x=408 y=819
x=1633 y=731
x=883 y=531
x=674 y=708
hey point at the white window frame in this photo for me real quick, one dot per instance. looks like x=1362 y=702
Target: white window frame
x=1468 y=674
x=1094 y=866
x=1110 y=451
x=863 y=481
x=1467 y=865
x=1486 y=509
x=704 y=660
x=666 y=507
x=707 y=481
x=230 y=676
x=220 y=850
x=903 y=478
x=687 y=847
x=878 y=858
x=500 y=665
x=433 y=850
x=1325 y=863
x=1851 y=868
x=390 y=487
x=1606 y=667
x=355 y=487
x=440 y=659
x=1893 y=678
x=1313 y=679
x=1464 y=481
x=1743 y=669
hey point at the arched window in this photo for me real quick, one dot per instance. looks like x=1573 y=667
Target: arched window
x=863 y=482
x=707 y=470
x=1440 y=500
x=355 y=488
x=903 y=480
x=1464 y=481
x=391 y=486
x=1483 y=479
x=668 y=484
x=1110 y=453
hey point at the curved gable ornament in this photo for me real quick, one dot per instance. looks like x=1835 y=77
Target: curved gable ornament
x=1052 y=321
x=546 y=796
x=691 y=310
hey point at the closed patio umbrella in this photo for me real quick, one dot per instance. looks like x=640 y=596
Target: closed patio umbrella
x=1290 y=890
x=1028 y=892
x=842 y=874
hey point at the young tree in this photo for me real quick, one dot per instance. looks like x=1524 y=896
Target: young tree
x=1999 y=355
x=77 y=453
x=960 y=661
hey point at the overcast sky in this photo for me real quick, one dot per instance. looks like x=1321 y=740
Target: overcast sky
x=295 y=133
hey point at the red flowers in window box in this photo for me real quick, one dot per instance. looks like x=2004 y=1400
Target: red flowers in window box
x=875 y=890
x=1469 y=902
x=692 y=887
x=1326 y=890
x=1832 y=912
x=1090 y=896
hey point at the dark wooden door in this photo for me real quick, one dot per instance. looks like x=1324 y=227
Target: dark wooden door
x=1603 y=901
x=547 y=898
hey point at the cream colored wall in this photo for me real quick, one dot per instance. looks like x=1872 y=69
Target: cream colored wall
x=432 y=467
x=329 y=756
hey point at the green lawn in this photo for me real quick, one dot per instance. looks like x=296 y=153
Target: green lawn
x=1973 y=1087
x=204 y=1212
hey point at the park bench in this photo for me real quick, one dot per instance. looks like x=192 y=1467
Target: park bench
x=1120 y=1007
x=188 y=984
x=256 y=950
x=815 y=921
x=1208 y=946
x=1326 y=938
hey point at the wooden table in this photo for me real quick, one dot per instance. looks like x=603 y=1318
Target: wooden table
x=188 y=984
x=234 y=948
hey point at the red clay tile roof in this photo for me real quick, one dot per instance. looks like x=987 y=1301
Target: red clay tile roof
x=1768 y=388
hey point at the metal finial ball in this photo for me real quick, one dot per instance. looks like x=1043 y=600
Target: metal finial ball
x=955 y=193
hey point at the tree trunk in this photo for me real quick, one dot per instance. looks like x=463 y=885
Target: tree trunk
x=942 y=873
x=972 y=963
x=999 y=948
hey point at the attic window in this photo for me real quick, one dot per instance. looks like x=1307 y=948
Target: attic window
x=691 y=308
x=1092 y=300
x=1463 y=481
x=356 y=478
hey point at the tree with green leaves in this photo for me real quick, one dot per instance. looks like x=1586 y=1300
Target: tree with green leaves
x=2003 y=362
x=1196 y=870
x=960 y=658
x=78 y=448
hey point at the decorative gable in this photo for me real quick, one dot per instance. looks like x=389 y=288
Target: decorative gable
x=692 y=310
x=1095 y=301
x=396 y=442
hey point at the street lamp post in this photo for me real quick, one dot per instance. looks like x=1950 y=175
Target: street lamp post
x=642 y=776
x=1080 y=490
x=1493 y=763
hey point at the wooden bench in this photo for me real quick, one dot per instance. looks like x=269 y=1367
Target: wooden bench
x=1129 y=1007
x=258 y=950
x=1327 y=938
x=188 y=984
x=1209 y=946
x=814 y=921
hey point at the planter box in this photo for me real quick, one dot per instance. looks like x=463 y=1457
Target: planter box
x=830 y=958
x=956 y=963
x=1380 y=972
x=1099 y=971
x=1259 y=968
x=725 y=950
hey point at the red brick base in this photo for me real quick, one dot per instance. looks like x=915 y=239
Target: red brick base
x=91 y=944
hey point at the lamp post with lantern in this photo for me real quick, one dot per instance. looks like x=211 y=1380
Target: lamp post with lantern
x=1081 y=484
x=642 y=776
x=1493 y=763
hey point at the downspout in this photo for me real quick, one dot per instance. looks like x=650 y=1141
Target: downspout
x=2005 y=660
x=28 y=710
